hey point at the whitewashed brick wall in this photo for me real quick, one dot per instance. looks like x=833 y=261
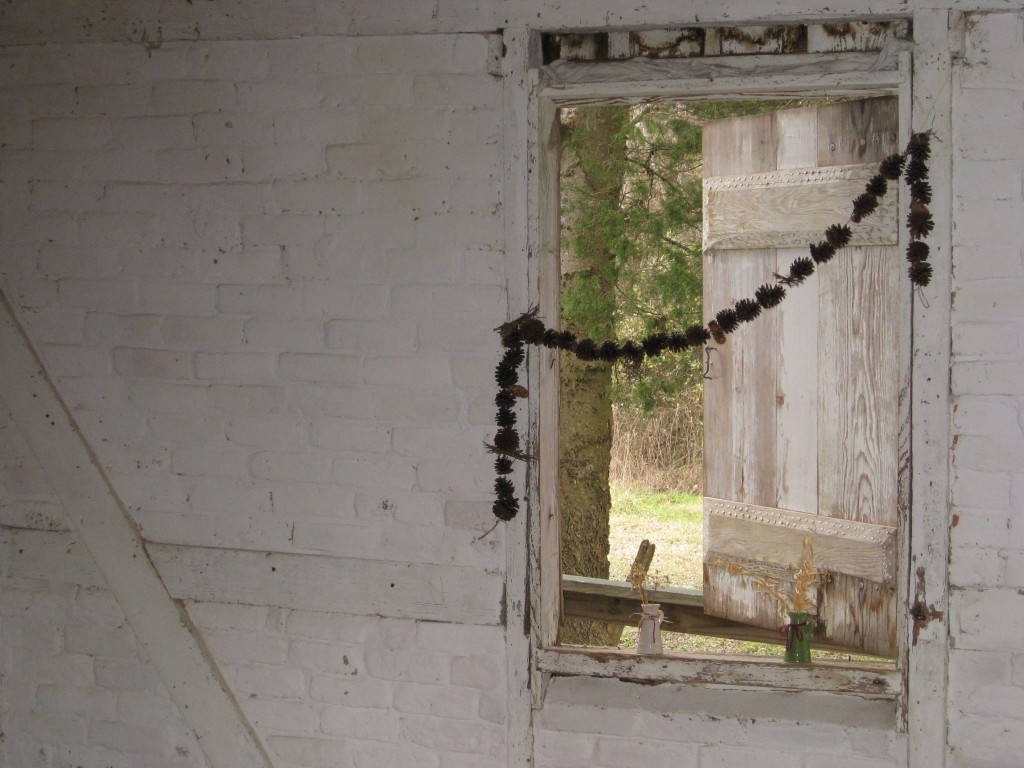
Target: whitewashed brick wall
x=263 y=267
x=986 y=696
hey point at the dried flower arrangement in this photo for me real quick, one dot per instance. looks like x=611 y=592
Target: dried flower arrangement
x=793 y=593
x=911 y=165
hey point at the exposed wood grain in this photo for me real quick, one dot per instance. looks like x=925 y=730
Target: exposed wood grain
x=338 y=585
x=790 y=208
x=777 y=536
x=859 y=386
x=862 y=679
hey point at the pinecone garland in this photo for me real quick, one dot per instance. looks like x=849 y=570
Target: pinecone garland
x=919 y=220
x=654 y=344
x=505 y=509
x=838 y=235
x=506 y=417
x=863 y=205
x=586 y=350
x=877 y=186
x=822 y=252
x=697 y=336
x=503 y=465
x=920 y=273
x=728 y=321
x=770 y=295
x=921 y=192
x=747 y=310
x=716 y=332
x=919 y=147
x=892 y=167
x=917 y=252
x=916 y=171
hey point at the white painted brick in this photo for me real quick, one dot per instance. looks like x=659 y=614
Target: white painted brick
x=974 y=528
x=475 y=671
x=306 y=501
x=157 y=132
x=353 y=691
x=974 y=567
x=267 y=430
x=176 y=298
x=1014 y=558
x=64 y=196
x=285 y=334
x=241 y=398
x=442 y=734
x=57 y=325
x=439 y=700
x=366 y=336
x=196 y=428
x=229 y=498
x=240 y=366
x=987 y=620
x=278 y=716
x=291 y=467
x=206 y=332
x=122 y=329
x=228 y=60
x=193 y=96
x=975 y=740
x=270 y=682
x=616 y=752
x=359 y=723
x=366 y=470
x=431 y=407
x=330 y=658
x=120 y=675
x=986 y=340
x=63 y=360
x=350 y=434
x=232 y=647
x=321 y=369
x=152 y=363
x=414 y=264
x=244 y=618
x=193 y=166
x=376 y=754
x=310 y=752
x=364 y=301
x=258 y=299
x=145 y=707
x=335 y=538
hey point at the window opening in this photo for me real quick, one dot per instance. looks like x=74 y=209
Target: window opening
x=637 y=236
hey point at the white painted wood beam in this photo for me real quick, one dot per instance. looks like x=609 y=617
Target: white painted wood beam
x=162 y=627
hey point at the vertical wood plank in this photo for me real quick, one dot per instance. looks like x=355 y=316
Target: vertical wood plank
x=858 y=386
x=797 y=392
x=522 y=534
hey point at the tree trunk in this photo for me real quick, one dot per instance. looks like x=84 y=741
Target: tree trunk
x=593 y=167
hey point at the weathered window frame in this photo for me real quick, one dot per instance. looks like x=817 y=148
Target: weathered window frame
x=635 y=81
x=917 y=686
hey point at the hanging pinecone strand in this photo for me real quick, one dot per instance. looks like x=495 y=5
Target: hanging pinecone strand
x=727 y=320
x=716 y=332
x=503 y=465
x=550 y=338
x=917 y=252
x=916 y=171
x=799 y=271
x=863 y=205
x=677 y=342
x=504 y=399
x=567 y=341
x=609 y=352
x=586 y=350
x=838 y=235
x=920 y=273
x=747 y=310
x=506 y=440
x=919 y=221
x=921 y=192
x=654 y=344
x=770 y=295
x=505 y=375
x=892 y=167
x=822 y=252
x=697 y=335
x=877 y=186
x=631 y=352
x=505 y=508
x=506 y=417
x=532 y=330
x=919 y=147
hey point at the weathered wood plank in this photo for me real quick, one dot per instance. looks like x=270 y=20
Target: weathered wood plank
x=790 y=208
x=858 y=386
x=862 y=679
x=835 y=444
x=456 y=594
x=777 y=536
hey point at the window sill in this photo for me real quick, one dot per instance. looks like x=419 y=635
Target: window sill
x=863 y=679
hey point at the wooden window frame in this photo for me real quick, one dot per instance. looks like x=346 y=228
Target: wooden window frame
x=637 y=81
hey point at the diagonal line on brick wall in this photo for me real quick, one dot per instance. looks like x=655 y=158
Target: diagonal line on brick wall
x=170 y=639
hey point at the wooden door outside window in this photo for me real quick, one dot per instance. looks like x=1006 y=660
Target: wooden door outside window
x=803 y=419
